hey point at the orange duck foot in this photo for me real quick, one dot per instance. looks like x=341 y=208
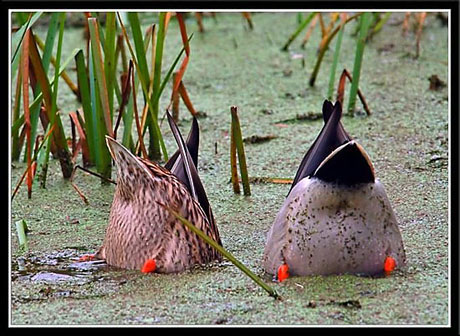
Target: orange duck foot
x=283 y=272
x=149 y=266
x=389 y=265
x=87 y=257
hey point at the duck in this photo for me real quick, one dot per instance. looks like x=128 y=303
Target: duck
x=337 y=218
x=142 y=233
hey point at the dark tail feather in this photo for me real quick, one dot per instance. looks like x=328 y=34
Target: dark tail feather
x=185 y=158
x=188 y=172
x=193 y=141
x=332 y=135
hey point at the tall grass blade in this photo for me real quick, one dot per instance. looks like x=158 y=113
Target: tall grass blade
x=155 y=134
x=47 y=53
x=61 y=149
x=102 y=155
x=139 y=47
x=43 y=167
x=155 y=129
x=361 y=42
x=109 y=57
x=83 y=86
x=136 y=115
x=298 y=31
x=15 y=143
x=38 y=99
x=100 y=73
x=379 y=25
x=336 y=57
x=18 y=37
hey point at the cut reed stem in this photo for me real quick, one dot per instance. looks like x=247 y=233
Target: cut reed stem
x=238 y=138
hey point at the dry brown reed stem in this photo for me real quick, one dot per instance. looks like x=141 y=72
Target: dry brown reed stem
x=186 y=99
x=80 y=193
x=175 y=100
x=33 y=166
x=341 y=91
x=309 y=31
x=136 y=116
x=405 y=24
x=321 y=24
x=82 y=134
x=322 y=51
x=327 y=31
x=199 y=21
x=25 y=92
x=247 y=16
x=234 y=170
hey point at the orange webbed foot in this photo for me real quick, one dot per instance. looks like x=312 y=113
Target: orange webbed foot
x=389 y=265
x=87 y=257
x=283 y=272
x=149 y=266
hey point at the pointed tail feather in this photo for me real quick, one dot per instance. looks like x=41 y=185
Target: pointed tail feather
x=332 y=135
x=192 y=142
x=190 y=174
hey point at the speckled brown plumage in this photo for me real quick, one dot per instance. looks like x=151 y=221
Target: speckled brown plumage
x=140 y=228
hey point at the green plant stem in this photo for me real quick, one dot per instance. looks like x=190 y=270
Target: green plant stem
x=380 y=24
x=42 y=163
x=299 y=29
x=225 y=253
x=335 y=61
x=238 y=138
x=322 y=52
x=361 y=42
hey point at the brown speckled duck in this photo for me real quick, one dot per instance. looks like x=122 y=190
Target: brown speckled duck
x=141 y=231
x=336 y=218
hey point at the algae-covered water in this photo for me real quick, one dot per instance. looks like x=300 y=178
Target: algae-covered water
x=406 y=138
